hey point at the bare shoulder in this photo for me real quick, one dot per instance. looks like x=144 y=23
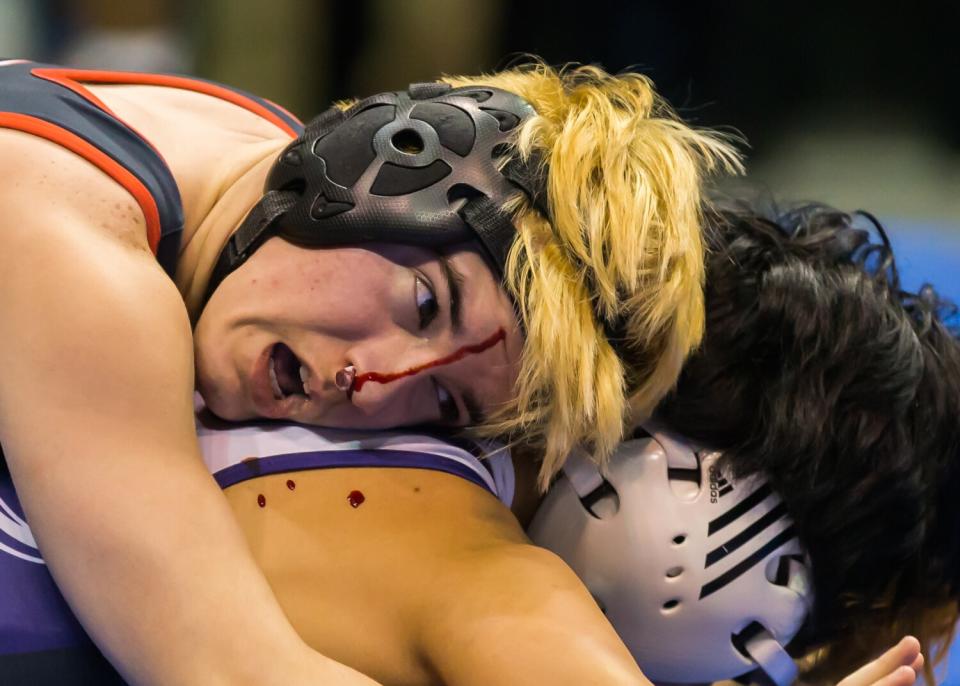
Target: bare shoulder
x=198 y=114
x=49 y=191
x=102 y=343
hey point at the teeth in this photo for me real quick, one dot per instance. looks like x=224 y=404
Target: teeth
x=305 y=377
x=277 y=393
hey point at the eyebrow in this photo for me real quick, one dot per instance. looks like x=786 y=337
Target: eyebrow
x=454 y=281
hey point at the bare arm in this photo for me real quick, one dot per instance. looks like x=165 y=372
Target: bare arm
x=516 y=614
x=96 y=423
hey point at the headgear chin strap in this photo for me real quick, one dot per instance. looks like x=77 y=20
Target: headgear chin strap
x=420 y=167
x=701 y=576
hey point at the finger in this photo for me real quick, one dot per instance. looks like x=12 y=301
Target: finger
x=901 y=676
x=918 y=663
x=901 y=655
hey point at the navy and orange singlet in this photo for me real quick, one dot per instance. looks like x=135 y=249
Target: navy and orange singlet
x=53 y=103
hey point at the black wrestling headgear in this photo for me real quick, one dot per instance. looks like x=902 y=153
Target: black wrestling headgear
x=418 y=167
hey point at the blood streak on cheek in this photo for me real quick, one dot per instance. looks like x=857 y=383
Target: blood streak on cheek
x=355 y=499
x=456 y=356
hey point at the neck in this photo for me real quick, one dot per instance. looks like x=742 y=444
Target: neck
x=220 y=204
x=527 y=496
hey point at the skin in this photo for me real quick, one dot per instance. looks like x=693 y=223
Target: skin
x=362 y=307
x=898 y=666
x=136 y=371
x=431 y=581
x=95 y=371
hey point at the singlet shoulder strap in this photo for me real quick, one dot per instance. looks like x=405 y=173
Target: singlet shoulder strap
x=53 y=103
x=36 y=100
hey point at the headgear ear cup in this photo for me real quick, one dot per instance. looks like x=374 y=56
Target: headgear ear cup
x=681 y=571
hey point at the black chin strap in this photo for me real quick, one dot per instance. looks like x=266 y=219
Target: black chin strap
x=252 y=232
x=531 y=177
x=257 y=225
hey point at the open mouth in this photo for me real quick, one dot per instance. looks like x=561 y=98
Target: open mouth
x=288 y=376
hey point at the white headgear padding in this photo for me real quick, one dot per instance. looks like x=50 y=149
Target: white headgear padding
x=701 y=576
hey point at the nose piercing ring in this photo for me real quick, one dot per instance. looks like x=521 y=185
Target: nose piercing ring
x=344 y=378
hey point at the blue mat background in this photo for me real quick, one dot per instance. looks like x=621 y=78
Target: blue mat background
x=927 y=253
x=930 y=253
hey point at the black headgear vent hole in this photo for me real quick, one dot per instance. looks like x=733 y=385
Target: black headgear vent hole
x=407 y=141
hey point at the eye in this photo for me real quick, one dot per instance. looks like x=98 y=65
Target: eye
x=426 y=301
x=449 y=412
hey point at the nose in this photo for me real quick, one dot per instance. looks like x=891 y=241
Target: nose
x=345 y=377
x=387 y=385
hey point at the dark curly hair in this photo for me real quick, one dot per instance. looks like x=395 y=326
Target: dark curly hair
x=843 y=391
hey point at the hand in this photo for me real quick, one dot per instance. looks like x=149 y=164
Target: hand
x=896 y=667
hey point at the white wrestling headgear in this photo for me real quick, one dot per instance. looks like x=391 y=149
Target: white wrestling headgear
x=702 y=577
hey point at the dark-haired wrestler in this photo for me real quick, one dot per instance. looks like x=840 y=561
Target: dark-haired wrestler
x=821 y=377
x=821 y=374
x=119 y=195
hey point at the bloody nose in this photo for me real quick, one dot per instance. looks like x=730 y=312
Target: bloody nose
x=345 y=377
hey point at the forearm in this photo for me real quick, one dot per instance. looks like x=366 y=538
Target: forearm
x=521 y=616
x=511 y=655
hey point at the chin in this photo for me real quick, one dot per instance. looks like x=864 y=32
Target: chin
x=221 y=403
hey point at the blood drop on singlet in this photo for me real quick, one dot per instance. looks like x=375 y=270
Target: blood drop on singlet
x=355 y=499
x=261 y=500
x=291 y=484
